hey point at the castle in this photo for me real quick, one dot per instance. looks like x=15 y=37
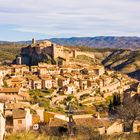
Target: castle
x=36 y=49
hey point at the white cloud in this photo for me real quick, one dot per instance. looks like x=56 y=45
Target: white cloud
x=60 y=18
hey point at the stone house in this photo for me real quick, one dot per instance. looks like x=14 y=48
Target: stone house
x=99 y=82
x=35 y=82
x=47 y=82
x=34 y=69
x=98 y=70
x=136 y=126
x=63 y=81
x=106 y=80
x=116 y=127
x=22 y=119
x=70 y=89
x=10 y=94
x=53 y=70
x=19 y=69
x=4 y=71
x=43 y=71
x=75 y=81
x=91 y=84
x=16 y=82
x=65 y=69
x=39 y=112
x=83 y=84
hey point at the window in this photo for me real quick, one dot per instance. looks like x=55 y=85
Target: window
x=19 y=121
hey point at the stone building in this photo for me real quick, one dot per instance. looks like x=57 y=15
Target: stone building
x=36 y=51
x=22 y=119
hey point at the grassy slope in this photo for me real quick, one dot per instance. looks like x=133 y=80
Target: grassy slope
x=9 y=51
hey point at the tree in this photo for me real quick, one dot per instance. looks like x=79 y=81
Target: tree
x=129 y=112
x=114 y=103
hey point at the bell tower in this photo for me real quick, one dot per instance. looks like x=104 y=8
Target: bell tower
x=33 y=42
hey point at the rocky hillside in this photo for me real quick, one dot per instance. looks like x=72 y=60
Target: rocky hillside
x=100 y=42
x=125 y=61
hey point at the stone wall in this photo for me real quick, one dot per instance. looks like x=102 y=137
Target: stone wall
x=53 y=50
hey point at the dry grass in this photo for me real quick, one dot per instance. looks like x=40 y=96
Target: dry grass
x=84 y=134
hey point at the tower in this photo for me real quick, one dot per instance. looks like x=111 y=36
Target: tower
x=33 y=41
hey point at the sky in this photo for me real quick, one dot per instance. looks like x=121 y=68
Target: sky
x=41 y=19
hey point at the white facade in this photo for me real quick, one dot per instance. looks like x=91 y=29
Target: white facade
x=47 y=84
x=23 y=124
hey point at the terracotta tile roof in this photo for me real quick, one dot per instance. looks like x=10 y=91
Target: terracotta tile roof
x=18 y=66
x=17 y=105
x=34 y=78
x=57 y=122
x=90 y=122
x=9 y=90
x=19 y=113
x=16 y=79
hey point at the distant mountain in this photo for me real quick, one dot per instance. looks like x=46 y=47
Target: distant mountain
x=95 y=42
x=100 y=42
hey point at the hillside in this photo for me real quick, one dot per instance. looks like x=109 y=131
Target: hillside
x=124 y=60
x=100 y=42
x=8 y=51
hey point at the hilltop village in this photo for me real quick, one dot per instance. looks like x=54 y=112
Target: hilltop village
x=39 y=95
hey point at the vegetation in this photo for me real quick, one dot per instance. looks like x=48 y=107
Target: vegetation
x=115 y=102
x=129 y=112
x=84 y=96
x=81 y=133
x=8 y=52
x=37 y=96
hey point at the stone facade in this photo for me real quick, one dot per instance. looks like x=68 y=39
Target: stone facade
x=56 y=52
x=22 y=119
x=47 y=47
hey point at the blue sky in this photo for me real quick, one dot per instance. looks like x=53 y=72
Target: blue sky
x=25 y=19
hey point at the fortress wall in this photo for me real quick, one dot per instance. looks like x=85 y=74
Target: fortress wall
x=85 y=53
x=58 y=52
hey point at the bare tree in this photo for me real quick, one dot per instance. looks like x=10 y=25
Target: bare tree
x=129 y=112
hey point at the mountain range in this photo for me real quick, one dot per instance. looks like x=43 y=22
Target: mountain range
x=100 y=42
x=95 y=42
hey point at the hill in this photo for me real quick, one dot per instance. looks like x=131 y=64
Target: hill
x=125 y=61
x=8 y=52
x=100 y=42
x=95 y=42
